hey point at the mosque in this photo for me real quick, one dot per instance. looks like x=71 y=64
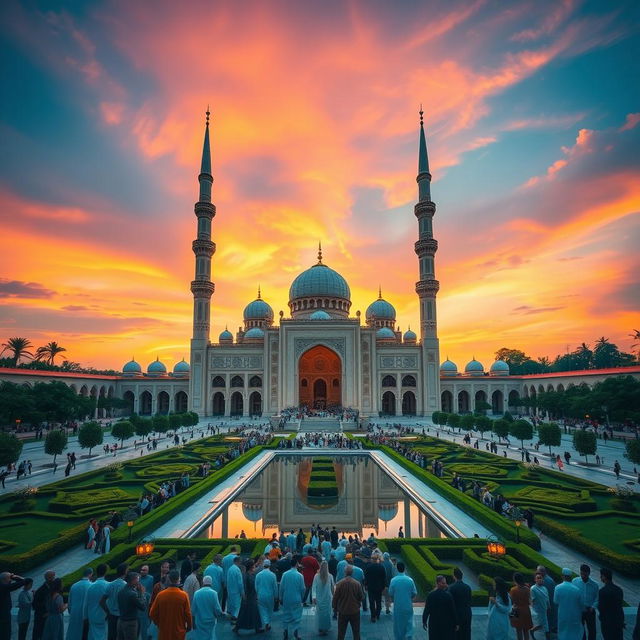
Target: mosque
x=320 y=356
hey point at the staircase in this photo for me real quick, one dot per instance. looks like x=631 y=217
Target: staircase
x=329 y=424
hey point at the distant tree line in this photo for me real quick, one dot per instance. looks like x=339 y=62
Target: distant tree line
x=604 y=355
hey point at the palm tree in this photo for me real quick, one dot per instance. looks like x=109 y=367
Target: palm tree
x=49 y=352
x=19 y=347
x=636 y=336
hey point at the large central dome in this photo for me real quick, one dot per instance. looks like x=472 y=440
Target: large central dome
x=319 y=280
x=319 y=287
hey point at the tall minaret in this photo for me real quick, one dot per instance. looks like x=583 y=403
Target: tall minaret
x=427 y=287
x=202 y=287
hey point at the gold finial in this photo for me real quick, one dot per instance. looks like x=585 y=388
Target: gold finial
x=319 y=252
x=421 y=114
x=379 y=292
x=208 y=114
x=258 y=292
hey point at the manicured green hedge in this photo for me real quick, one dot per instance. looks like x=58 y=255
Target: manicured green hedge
x=499 y=524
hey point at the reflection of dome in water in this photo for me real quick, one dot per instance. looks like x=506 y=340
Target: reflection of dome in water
x=388 y=512
x=252 y=512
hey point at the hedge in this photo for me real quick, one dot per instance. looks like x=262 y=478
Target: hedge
x=499 y=524
x=22 y=562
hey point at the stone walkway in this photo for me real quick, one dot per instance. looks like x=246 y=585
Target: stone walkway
x=381 y=630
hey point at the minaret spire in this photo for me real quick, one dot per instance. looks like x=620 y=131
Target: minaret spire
x=319 y=252
x=205 y=178
x=427 y=286
x=424 y=176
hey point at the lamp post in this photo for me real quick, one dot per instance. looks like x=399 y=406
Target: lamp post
x=517 y=522
x=495 y=547
x=130 y=517
x=517 y=516
x=144 y=547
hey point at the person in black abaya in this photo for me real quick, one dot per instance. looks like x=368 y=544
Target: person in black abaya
x=439 y=615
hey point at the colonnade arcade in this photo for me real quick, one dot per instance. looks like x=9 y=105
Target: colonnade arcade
x=147 y=403
x=398 y=395
x=236 y=395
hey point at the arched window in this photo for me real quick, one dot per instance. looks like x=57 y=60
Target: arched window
x=304 y=382
x=218 y=404
x=255 y=381
x=237 y=381
x=408 y=381
x=218 y=381
x=336 y=382
x=389 y=381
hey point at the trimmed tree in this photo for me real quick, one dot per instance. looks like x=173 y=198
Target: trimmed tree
x=483 y=423
x=194 y=418
x=160 y=423
x=90 y=435
x=521 y=430
x=435 y=416
x=585 y=443
x=175 y=420
x=633 y=451
x=143 y=426
x=549 y=435
x=508 y=417
x=443 y=416
x=55 y=443
x=501 y=428
x=122 y=430
x=468 y=422
x=10 y=448
x=453 y=420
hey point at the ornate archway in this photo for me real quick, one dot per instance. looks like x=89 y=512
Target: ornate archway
x=320 y=378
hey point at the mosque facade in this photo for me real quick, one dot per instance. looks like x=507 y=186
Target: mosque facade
x=320 y=355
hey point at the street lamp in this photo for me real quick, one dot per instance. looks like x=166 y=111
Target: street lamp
x=495 y=547
x=144 y=547
x=517 y=522
x=130 y=517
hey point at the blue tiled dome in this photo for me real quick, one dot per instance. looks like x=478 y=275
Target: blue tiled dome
x=409 y=336
x=319 y=280
x=225 y=336
x=385 y=334
x=499 y=367
x=380 y=310
x=258 y=310
x=254 y=334
x=474 y=367
x=132 y=367
x=387 y=512
x=319 y=315
x=181 y=367
x=252 y=512
x=449 y=368
x=156 y=367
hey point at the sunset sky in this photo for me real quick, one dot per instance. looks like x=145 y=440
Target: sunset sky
x=532 y=113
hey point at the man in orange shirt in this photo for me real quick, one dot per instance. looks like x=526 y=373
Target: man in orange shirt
x=171 y=611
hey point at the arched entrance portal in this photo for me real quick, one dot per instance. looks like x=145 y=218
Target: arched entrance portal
x=320 y=378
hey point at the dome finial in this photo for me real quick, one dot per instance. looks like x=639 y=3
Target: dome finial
x=208 y=114
x=259 y=292
x=319 y=252
x=379 y=292
x=421 y=112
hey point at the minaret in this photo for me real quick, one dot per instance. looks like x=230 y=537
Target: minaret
x=202 y=287
x=427 y=287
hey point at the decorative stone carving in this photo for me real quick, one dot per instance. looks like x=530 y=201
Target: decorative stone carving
x=302 y=344
x=398 y=362
x=236 y=362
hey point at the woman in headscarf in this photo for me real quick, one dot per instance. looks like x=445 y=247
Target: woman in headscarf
x=498 y=627
x=322 y=593
x=54 y=624
x=248 y=616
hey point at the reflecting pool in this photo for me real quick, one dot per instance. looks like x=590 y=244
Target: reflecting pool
x=351 y=493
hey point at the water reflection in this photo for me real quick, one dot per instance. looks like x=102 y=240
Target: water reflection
x=351 y=493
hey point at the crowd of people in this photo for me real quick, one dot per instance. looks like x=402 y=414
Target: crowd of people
x=342 y=576
x=320 y=440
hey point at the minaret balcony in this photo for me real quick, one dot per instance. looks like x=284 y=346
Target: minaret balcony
x=203 y=247
x=206 y=209
x=427 y=288
x=426 y=246
x=424 y=208
x=202 y=288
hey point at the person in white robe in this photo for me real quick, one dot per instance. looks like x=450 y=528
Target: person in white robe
x=402 y=590
x=75 y=607
x=322 y=593
x=91 y=610
x=215 y=572
x=235 y=588
x=570 y=602
x=291 y=593
x=539 y=606
x=205 y=611
x=267 y=592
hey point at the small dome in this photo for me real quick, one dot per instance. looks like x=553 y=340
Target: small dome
x=319 y=315
x=387 y=512
x=156 y=367
x=474 y=368
x=385 y=334
x=254 y=334
x=380 y=310
x=448 y=368
x=132 y=367
x=225 y=336
x=181 y=367
x=319 y=280
x=499 y=368
x=252 y=512
x=258 y=310
x=409 y=336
